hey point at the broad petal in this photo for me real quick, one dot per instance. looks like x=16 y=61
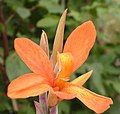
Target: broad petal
x=34 y=57
x=65 y=65
x=80 y=42
x=82 y=79
x=95 y=102
x=27 y=85
x=65 y=95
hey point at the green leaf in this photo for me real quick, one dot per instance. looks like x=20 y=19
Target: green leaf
x=115 y=84
x=23 y=12
x=27 y=109
x=75 y=15
x=64 y=108
x=108 y=24
x=112 y=70
x=97 y=77
x=15 y=67
x=10 y=31
x=5 y=105
x=93 y=5
x=83 y=112
x=14 y=3
x=52 y=6
x=48 y=21
x=1 y=27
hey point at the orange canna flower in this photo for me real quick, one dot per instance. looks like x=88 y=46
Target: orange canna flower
x=43 y=78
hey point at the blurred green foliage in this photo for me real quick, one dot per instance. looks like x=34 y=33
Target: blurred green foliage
x=27 y=18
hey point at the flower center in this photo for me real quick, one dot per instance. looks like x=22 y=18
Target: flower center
x=56 y=88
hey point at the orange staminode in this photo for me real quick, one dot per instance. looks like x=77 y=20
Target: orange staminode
x=43 y=78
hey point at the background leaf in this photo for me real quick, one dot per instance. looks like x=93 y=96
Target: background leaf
x=23 y=12
x=48 y=21
x=15 y=67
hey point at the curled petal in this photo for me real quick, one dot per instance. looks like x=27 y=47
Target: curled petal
x=57 y=96
x=34 y=57
x=27 y=85
x=95 y=102
x=82 y=79
x=65 y=64
x=80 y=42
x=64 y=94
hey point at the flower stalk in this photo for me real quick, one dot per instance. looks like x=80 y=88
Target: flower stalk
x=43 y=102
x=54 y=110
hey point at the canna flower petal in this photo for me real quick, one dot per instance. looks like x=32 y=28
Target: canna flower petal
x=58 y=41
x=82 y=79
x=44 y=43
x=65 y=65
x=34 y=57
x=65 y=95
x=80 y=42
x=57 y=96
x=28 y=85
x=95 y=102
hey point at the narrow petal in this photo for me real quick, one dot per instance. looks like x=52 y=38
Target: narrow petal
x=80 y=42
x=82 y=79
x=65 y=64
x=44 y=42
x=34 y=57
x=95 y=102
x=43 y=102
x=27 y=85
x=58 y=42
x=38 y=108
